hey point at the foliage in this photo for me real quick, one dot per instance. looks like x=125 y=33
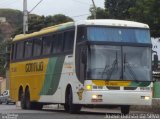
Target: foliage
x=147 y=11
x=1 y=35
x=36 y=22
x=3 y=60
x=14 y=17
x=100 y=13
x=119 y=9
x=114 y=9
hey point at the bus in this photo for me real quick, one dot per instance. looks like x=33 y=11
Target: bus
x=87 y=63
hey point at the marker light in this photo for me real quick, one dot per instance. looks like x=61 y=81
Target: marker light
x=88 y=87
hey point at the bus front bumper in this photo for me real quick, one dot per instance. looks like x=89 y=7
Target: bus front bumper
x=118 y=97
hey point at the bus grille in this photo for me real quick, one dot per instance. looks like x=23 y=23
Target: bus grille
x=130 y=88
x=113 y=88
x=118 y=88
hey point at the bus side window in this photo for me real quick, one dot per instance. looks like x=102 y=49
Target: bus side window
x=28 y=49
x=37 y=46
x=47 y=44
x=54 y=43
x=19 y=50
x=59 y=47
x=68 y=40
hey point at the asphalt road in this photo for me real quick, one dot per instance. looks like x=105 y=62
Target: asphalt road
x=53 y=112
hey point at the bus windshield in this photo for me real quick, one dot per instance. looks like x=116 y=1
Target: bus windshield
x=119 y=63
x=118 y=34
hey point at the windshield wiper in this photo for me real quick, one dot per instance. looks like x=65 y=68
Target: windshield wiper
x=112 y=69
x=130 y=69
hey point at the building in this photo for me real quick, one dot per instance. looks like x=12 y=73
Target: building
x=3 y=85
x=156 y=46
x=2 y=19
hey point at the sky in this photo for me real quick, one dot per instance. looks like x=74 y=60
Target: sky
x=76 y=9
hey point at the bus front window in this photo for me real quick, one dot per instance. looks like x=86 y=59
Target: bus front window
x=104 y=62
x=119 y=63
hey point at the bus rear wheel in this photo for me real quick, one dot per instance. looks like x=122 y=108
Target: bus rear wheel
x=27 y=99
x=69 y=106
x=31 y=105
x=22 y=99
x=125 y=109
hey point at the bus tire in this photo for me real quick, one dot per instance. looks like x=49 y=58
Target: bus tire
x=27 y=99
x=23 y=102
x=66 y=107
x=73 y=108
x=125 y=109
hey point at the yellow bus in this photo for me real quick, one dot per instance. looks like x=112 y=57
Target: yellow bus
x=91 y=62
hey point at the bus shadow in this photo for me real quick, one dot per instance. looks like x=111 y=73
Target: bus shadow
x=82 y=112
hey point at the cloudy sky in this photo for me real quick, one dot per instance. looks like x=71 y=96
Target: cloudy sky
x=77 y=9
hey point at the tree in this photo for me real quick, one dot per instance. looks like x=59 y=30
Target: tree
x=114 y=9
x=100 y=13
x=147 y=11
x=37 y=22
x=14 y=17
x=3 y=56
x=119 y=9
x=58 y=19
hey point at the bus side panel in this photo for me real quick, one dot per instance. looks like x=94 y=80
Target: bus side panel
x=51 y=90
x=28 y=73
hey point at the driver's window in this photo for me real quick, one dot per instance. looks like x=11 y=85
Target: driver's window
x=81 y=34
x=83 y=63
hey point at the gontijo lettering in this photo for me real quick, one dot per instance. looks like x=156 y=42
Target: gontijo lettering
x=34 y=67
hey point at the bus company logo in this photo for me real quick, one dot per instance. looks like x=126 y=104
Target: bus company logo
x=34 y=67
x=68 y=65
x=80 y=93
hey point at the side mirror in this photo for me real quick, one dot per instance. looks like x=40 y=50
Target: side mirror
x=155 y=62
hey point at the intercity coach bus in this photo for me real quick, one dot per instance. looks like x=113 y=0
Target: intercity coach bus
x=87 y=63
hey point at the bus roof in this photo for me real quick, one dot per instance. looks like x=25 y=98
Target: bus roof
x=113 y=22
x=44 y=31
x=102 y=22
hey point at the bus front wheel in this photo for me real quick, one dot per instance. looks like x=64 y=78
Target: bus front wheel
x=125 y=109
x=69 y=106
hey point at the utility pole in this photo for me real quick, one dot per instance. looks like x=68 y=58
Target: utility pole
x=25 y=17
x=95 y=9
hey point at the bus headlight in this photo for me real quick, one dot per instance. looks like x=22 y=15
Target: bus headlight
x=94 y=96
x=147 y=98
x=88 y=87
